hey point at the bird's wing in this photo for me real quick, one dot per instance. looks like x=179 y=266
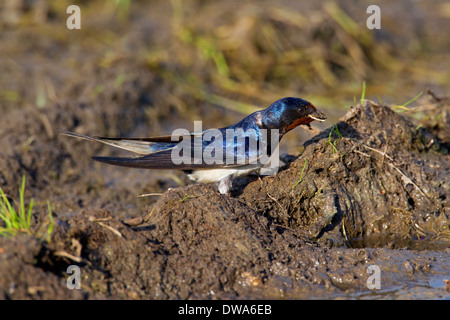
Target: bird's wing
x=158 y=160
x=162 y=160
x=162 y=153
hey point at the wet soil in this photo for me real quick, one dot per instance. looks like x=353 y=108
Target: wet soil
x=357 y=195
x=372 y=190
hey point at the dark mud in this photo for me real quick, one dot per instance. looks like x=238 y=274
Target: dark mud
x=312 y=230
x=371 y=191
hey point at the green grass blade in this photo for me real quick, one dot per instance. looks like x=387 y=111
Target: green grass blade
x=363 y=93
x=5 y=210
x=5 y=232
x=15 y=220
x=301 y=175
x=4 y=217
x=22 y=201
x=379 y=99
x=412 y=100
x=20 y=220
x=329 y=139
x=337 y=131
x=10 y=212
x=51 y=222
x=30 y=208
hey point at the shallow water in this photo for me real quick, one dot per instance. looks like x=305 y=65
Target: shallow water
x=399 y=280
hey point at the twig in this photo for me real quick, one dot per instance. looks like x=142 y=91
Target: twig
x=94 y=219
x=343 y=230
x=433 y=95
x=67 y=255
x=384 y=154
x=149 y=215
x=364 y=154
x=273 y=199
x=149 y=194
x=407 y=180
x=110 y=228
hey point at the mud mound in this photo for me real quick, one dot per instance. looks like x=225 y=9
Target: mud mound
x=374 y=175
x=374 y=179
x=191 y=250
x=22 y=276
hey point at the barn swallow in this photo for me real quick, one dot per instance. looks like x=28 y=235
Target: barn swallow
x=216 y=155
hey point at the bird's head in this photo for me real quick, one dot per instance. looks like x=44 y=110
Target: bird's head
x=287 y=113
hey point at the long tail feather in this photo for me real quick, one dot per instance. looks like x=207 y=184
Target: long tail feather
x=139 y=146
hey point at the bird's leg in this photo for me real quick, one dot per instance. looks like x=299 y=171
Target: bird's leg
x=225 y=184
x=258 y=174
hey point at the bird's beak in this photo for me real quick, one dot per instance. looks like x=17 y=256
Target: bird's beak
x=317 y=115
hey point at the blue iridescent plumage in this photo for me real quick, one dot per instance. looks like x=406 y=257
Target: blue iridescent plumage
x=230 y=149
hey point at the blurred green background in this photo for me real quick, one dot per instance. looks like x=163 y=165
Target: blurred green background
x=237 y=55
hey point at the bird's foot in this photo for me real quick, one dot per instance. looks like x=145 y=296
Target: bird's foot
x=225 y=185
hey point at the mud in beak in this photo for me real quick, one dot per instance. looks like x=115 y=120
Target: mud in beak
x=318 y=115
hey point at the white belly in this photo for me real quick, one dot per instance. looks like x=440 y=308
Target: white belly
x=214 y=175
